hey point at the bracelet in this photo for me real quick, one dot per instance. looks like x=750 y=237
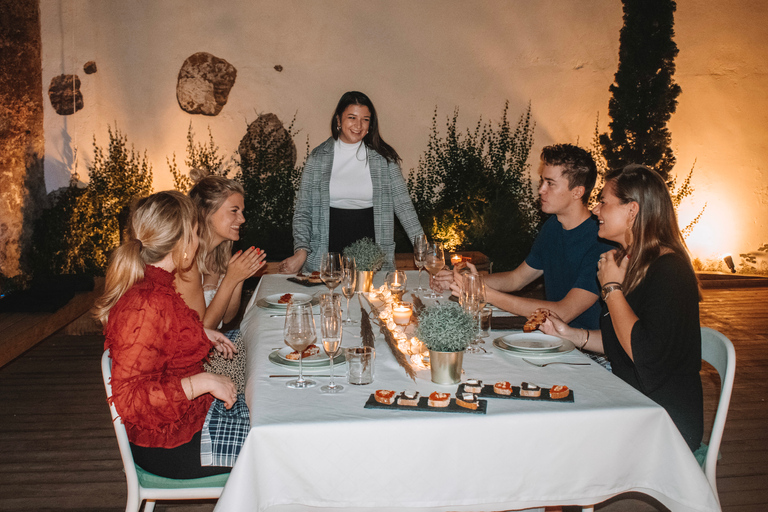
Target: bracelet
x=611 y=282
x=191 y=389
x=585 y=341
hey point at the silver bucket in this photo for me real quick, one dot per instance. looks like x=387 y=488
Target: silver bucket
x=446 y=366
x=364 y=281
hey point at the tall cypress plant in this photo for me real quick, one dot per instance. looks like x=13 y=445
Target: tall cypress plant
x=644 y=94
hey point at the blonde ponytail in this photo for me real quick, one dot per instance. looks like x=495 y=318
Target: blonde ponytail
x=159 y=224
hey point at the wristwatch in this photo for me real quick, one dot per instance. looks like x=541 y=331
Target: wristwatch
x=608 y=288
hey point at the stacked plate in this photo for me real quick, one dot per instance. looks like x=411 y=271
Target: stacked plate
x=315 y=362
x=533 y=344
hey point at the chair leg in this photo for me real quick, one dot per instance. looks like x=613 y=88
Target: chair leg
x=149 y=505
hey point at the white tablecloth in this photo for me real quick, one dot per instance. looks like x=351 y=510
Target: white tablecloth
x=306 y=449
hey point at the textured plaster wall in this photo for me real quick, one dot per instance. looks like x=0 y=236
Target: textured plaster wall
x=411 y=57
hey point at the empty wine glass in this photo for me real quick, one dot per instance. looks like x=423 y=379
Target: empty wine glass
x=330 y=269
x=434 y=262
x=331 y=331
x=348 y=282
x=299 y=333
x=472 y=299
x=419 y=256
x=396 y=283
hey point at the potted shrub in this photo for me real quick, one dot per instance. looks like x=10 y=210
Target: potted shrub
x=446 y=329
x=369 y=258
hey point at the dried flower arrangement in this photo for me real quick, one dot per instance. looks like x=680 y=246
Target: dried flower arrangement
x=368 y=255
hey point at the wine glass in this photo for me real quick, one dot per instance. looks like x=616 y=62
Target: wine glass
x=330 y=269
x=299 y=333
x=420 y=256
x=472 y=299
x=348 y=282
x=331 y=330
x=434 y=262
x=396 y=283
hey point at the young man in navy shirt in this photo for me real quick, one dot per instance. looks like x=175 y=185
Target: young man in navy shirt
x=566 y=250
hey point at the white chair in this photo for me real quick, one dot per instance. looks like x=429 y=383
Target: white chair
x=146 y=486
x=718 y=351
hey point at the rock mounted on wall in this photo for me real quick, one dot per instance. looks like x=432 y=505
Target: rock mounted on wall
x=64 y=93
x=204 y=84
x=268 y=135
x=89 y=67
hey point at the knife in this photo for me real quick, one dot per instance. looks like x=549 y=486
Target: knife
x=306 y=375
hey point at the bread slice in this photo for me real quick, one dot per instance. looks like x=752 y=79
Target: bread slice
x=408 y=398
x=467 y=400
x=473 y=385
x=535 y=320
x=384 y=396
x=502 y=388
x=310 y=351
x=530 y=390
x=558 y=392
x=439 y=399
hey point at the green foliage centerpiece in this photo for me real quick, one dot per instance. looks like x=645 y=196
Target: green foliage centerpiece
x=369 y=258
x=446 y=329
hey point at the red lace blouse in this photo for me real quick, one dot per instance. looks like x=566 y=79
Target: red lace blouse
x=155 y=341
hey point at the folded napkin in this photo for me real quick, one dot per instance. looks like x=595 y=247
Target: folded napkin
x=224 y=433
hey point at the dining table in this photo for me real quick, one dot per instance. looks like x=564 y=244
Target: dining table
x=308 y=450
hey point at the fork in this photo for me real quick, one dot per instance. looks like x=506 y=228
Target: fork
x=554 y=362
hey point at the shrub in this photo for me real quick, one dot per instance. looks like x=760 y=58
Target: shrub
x=472 y=190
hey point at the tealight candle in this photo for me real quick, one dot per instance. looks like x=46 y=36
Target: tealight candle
x=456 y=259
x=401 y=313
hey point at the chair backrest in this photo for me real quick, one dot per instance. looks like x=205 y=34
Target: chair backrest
x=718 y=351
x=131 y=476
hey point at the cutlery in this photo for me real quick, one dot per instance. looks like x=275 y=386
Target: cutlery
x=296 y=375
x=554 y=362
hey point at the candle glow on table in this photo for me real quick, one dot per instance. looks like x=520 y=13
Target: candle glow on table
x=401 y=313
x=456 y=259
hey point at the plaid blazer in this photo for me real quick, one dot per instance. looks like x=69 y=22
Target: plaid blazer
x=390 y=198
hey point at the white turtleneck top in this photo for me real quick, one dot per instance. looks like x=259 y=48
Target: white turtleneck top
x=351 y=187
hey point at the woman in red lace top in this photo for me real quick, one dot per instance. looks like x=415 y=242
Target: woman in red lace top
x=158 y=343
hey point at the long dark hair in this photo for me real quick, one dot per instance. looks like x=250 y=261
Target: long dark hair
x=655 y=227
x=372 y=139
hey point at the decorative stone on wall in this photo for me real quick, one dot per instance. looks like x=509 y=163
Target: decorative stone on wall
x=204 y=84
x=267 y=131
x=64 y=93
x=89 y=67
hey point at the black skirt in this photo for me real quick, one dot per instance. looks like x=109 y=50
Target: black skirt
x=347 y=226
x=180 y=462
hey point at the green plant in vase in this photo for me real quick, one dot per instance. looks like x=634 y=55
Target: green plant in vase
x=369 y=258
x=446 y=329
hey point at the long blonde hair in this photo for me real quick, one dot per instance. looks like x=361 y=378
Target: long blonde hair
x=655 y=228
x=208 y=195
x=157 y=225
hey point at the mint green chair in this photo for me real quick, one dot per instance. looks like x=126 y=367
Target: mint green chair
x=146 y=486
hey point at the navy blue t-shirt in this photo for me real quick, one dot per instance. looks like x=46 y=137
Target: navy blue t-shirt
x=569 y=260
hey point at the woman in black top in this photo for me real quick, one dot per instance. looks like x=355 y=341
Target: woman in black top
x=650 y=325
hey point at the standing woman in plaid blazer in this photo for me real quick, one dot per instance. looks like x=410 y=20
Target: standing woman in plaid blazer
x=351 y=188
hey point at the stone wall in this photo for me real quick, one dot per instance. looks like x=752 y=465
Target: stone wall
x=22 y=182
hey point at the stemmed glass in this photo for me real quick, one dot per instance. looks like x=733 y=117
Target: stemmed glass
x=348 y=282
x=434 y=262
x=330 y=270
x=299 y=333
x=331 y=330
x=472 y=299
x=419 y=256
x=397 y=284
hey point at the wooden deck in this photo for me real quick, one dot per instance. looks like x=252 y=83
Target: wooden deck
x=58 y=451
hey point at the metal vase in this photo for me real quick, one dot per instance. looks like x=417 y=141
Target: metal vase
x=364 y=281
x=446 y=366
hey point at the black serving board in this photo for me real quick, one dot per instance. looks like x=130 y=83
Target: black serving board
x=423 y=407
x=303 y=282
x=487 y=392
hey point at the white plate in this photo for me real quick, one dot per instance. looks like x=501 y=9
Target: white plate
x=566 y=347
x=318 y=360
x=274 y=300
x=533 y=341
